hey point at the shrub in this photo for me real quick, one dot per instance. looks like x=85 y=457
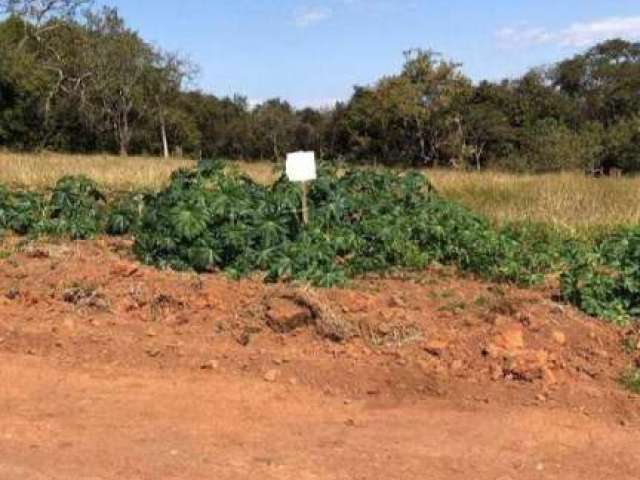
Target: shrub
x=605 y=282
x=363 y=221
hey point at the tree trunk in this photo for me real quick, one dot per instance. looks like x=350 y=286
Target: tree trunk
x=163 y=133
x=125 y=136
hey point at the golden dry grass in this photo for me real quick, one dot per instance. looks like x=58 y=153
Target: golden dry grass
x=567 y=201
x=39 y=171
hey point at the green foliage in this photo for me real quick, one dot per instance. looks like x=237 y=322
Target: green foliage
x=631 y=380
x=605 y=282
x=362 y=221
x=75 y=208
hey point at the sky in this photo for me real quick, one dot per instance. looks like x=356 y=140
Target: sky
x=312 y=52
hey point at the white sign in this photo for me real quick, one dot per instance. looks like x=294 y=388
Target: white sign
x=301 y=166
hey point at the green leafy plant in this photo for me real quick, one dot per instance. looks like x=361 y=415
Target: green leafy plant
x=605 y=282
x=361 y=221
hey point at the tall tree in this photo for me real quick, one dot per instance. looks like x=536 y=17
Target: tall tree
x=122 y=67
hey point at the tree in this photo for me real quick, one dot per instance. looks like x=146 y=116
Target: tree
x=40 y=14
x=122 y=70
x=605 y=80
x=165 y=84
x=273 y=126
x=410 y=116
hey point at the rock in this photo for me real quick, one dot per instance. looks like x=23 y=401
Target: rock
x=533 y=324
x=548 y=377
x=124 y=269
x=559 y=337
x=271 y=376
x=530 y=365
x=436 y=348
x=153 y=352
x=13 y=293
x=210 y=365
x=284 y=316
x=151 y=333
x=510 y=338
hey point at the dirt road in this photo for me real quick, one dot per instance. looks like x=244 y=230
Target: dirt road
x=106 y=424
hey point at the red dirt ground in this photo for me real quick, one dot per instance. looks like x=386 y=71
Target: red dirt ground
x=113 y=370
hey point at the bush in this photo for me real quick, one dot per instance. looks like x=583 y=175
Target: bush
x=363 y=221
x=605 y=282
x=76 y=208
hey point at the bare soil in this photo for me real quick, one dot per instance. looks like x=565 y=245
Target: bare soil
x=113 y=370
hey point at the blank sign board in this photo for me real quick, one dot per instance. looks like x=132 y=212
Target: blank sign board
x=301 y=166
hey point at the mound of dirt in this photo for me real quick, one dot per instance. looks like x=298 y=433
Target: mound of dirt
x=87 y=309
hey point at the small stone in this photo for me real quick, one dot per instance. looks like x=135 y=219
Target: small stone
x=271 y=376
x=559 y=337
x=153 y=352
x=436 y=348
x=557 y=310
x=293 y=381
x=13 y=293
x=210 y=365
x=124 y=269
x=548 y=377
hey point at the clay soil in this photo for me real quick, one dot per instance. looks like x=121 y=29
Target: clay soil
x=113 y=370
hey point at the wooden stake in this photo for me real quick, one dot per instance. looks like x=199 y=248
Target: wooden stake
x=305 y=203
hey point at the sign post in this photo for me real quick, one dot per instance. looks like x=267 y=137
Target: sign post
x=301 y=168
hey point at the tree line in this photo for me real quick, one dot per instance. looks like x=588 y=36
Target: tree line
x=77 y=79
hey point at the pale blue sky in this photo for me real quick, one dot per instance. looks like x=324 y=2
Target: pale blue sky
x=314 y=51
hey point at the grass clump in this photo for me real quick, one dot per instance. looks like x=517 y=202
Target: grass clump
x=630 y=379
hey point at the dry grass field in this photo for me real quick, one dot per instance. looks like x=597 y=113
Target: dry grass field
x=568 y=201
x=39 y=171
